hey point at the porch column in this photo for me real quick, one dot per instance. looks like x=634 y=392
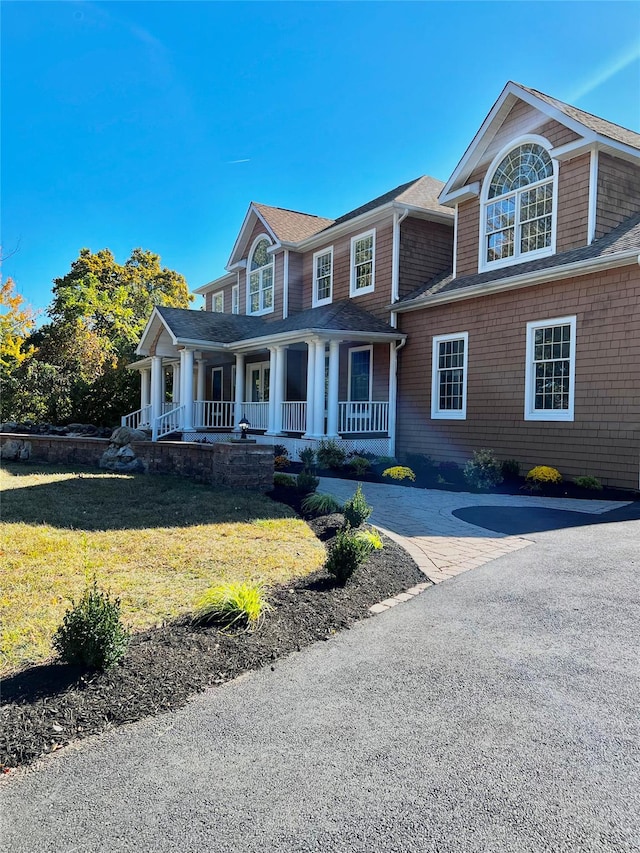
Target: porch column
x=186 y=389
x=201 y=374
x=277 y=390
x=334 y=377
x=393 y=395
x=164 y=384
x=311 y=352
x=145 y=387
x=156 y=387
x=318 y=391
x=273 y=368
x=176 y=395
x=237 y=415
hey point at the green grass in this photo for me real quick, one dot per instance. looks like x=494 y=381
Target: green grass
x=157 y=543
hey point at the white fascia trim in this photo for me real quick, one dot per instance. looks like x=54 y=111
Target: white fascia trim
x=602 y=143
x=155 y=314
x=525 y=280
x=189 y=343
x=252 y=209
x=215 y=284
x=299 y=335
x=141 y=364
x=463 y=194
x=239 y=265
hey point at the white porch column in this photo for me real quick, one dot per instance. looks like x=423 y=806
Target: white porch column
x=156 y=387
x=186 y=389
x=164 y=384
x=273 y=368
x=318 y=391
x=332 y=394
x=145 y=387
x=176 y=395
x=311 y=353
x=277 y=390
x=237 y=416
x=201 y=374
x=393 y=396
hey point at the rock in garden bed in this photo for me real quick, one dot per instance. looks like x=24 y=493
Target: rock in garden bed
x=46 y=707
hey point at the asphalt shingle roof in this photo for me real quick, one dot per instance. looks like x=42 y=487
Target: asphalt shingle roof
x=421 y=192
x=291 y=226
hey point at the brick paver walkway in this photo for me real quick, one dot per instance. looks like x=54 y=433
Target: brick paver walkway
x=422 y=521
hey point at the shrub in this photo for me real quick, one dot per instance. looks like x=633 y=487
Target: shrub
x=233 y=605
x=450 y=473
x=286 y=481
x=91 y=633
x=356 y=509
x=399 y=472
x=308 y=458
x=360 y=465
x=421 y=463
x=589 y=483
x=316 y=504
x=307 y=482
x=372 y=538
x=330 y=454
x=483 y=471
x=280 y=462
x=345 y=555
x=280 y=450
x=544 y=475
x=510 y=469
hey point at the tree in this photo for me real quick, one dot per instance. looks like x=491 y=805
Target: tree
x=16 y=322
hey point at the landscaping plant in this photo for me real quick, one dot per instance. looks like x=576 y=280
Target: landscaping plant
x=483 y=471
x=588 y=483
x=308 y=458
x=510 y=469
x=330 y=454
x=372 y=538
x=280 y=462
x=360 y=465
x=316 y=504
x=356 y=509
x=91 y=633
x=346 y=554
x=543 y=475
x=399 y=472
x=307 y=482
x=233 y=605
x=286 y=481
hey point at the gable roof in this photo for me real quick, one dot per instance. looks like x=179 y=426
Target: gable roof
x=291 y=226
x=420 y=192
x=621 y=243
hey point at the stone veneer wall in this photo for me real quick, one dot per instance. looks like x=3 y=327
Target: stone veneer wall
x=241 y=466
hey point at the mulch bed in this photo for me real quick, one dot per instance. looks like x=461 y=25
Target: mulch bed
x=46 y=707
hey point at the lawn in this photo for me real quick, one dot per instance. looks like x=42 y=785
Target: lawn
x=156 y=542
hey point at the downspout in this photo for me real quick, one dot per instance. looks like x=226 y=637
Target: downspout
x=398 y=219
x=285 y=286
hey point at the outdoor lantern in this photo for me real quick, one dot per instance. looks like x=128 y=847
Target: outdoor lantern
x=244 y=426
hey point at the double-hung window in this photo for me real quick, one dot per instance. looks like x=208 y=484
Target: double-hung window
x=550 y=370
x=323 y=277
x=260 y=279
x=235 y=299
x=363 y=263
x=217 y=302
x=449 y=376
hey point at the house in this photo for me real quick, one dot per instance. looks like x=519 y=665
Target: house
x=497 y=310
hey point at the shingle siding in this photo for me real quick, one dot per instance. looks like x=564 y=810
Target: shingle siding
x=425 y=249
x=573 y=203
x=618 y=192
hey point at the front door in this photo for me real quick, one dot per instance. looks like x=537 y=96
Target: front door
x=258 y=382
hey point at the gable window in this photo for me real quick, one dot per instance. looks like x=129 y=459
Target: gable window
x=260 y=279
x=449 y=376
x=322 y=277
x=550 y=370
x=362 y=263
x=235 y=299
x=518 y=210
x=217 y=302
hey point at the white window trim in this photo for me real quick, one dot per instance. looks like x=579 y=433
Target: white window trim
x=483 y=263
x=218 y=293
x=448 y=414
x=315 y=302
x=219 y=370
x=248 y=273
x=361 y=349
x=352 y=275
x=530 y=413
x=235 y=299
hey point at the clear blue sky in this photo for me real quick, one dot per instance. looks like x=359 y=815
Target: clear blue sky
x=154 y=124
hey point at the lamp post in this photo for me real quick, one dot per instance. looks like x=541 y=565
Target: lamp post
x=244 y=426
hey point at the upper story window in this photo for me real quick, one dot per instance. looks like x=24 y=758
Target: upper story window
x=322 y=277
x=235 y=299
x=362 y=263
x=260 y=279
x=217 y=302
x=518 y=209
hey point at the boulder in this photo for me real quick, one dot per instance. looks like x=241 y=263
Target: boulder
x=124 y=435
x=15 y=449
x=121 y=460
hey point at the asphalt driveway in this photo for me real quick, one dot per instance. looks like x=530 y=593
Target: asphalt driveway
x=497 y=711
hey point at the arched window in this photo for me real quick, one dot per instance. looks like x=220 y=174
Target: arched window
x=260 y=277
x=518 y=205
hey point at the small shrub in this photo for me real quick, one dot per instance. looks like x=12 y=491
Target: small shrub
x=364 y=454
x=510 y=469
x=421 y=463
x=285 y=481
x=382 y=462
x=345 y=555
x=308 y=458
x=483 y=471
x=588 y=483
x=280 y=450
x=330 y=454
x=356 y=509
x=372 y=538
x=91 y=633
x=316 y=504
x=450 y=473
x=543 y=475
x=360 y=465
x=307 y=482
x=233 y=605
x=280 y=462
x=399 y=472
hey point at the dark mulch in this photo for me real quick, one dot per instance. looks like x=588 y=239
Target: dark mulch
x=46 y=707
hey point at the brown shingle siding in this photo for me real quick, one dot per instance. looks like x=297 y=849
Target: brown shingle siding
x=573 y=203
x=618 y=192
x=425 y=250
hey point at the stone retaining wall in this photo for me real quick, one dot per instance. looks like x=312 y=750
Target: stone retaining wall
x=244 y=466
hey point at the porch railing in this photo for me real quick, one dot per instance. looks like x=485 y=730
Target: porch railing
x=257 y=414
x=139 y=418
x=213 y=414
x=363 y=417
x=294 y=417
x=168 y=422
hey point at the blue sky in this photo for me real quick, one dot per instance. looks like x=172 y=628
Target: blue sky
x=154 y=124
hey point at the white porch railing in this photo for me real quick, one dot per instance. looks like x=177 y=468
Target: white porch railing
x=166 y=407
x=294 y=417
x=168 y=422
x=139 y=418
x=257 y=414
x=363 y=417
x=213 y=414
